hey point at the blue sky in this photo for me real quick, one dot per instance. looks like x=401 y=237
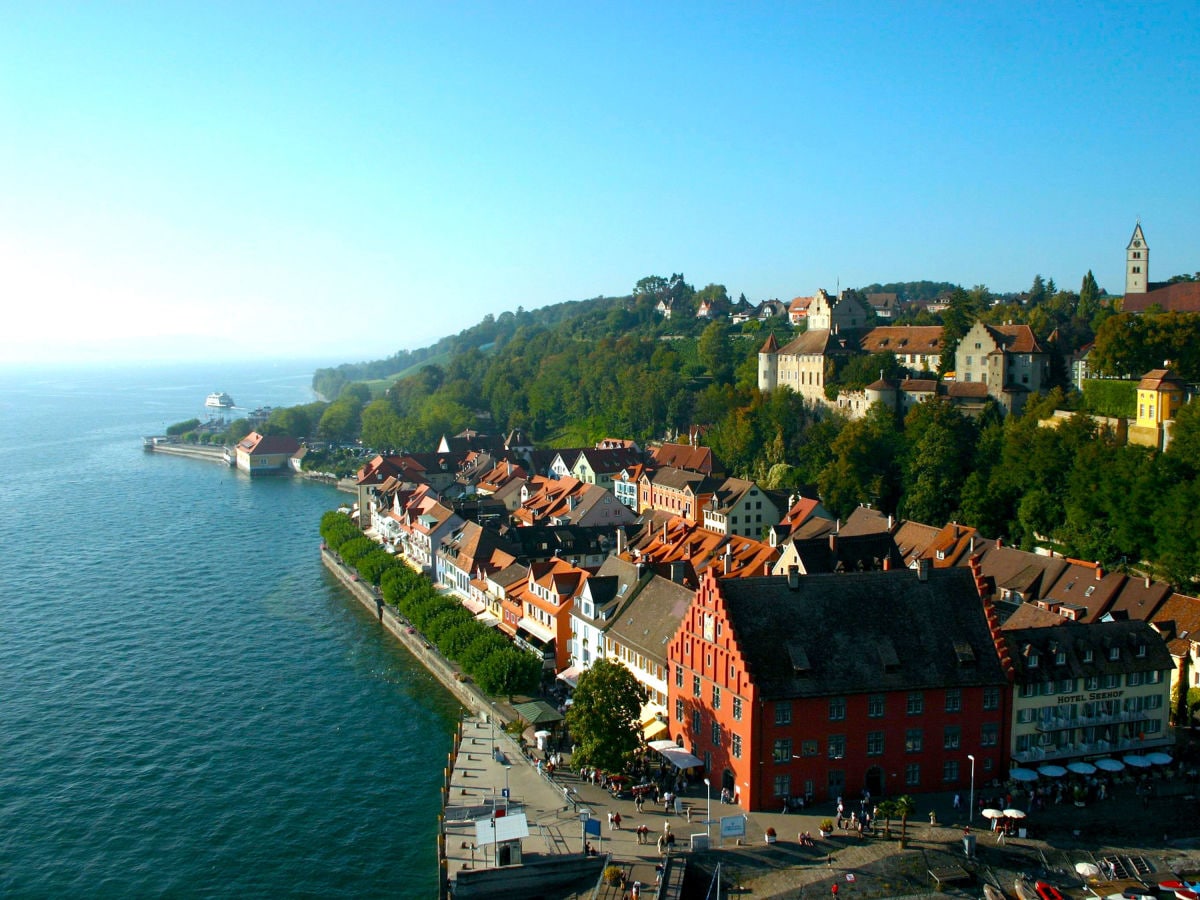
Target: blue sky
x=341 y=181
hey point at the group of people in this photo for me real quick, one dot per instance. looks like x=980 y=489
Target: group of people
x=806 y=840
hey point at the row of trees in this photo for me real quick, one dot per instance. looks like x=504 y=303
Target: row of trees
x=483 y=653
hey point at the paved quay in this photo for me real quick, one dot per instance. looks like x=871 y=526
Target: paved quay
x=1149 y=839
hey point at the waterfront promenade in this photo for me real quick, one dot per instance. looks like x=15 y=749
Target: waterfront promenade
x=1152 y=837
x=1148 y=839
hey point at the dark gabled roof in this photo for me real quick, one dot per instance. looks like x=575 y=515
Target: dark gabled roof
x=544 y=541
x=1074 y=638
x=682 y=479
x=810 y=343
x=865 y=520
x=967 y=390
x=869 y=631
x=651 y=620
x=847 y=553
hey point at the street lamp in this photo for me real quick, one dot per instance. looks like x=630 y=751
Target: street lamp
x=506 y=794
x=708 y=815
x=971 y=801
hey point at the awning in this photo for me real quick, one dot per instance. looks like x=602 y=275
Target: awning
x=655 y=729
x=486 y=618
x=475 y=606
x=536 y=629
x=570 y=675
x=676 y=755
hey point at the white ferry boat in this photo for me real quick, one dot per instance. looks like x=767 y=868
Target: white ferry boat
x=219 y=400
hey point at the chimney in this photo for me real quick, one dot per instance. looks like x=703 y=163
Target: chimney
x=1147 y=582
x=620 y=541
x=891 y=524
x=922 y=570
x=1099 y=571
x=793 y=578
x=833 y=542
x=725 y=563
x=887 y=564
x=766 y=568
x=999 y=543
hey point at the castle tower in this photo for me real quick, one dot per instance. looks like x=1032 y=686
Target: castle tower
x=1137 y=263
x=768 y=365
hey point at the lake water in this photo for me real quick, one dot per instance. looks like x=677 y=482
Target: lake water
x=189 y=704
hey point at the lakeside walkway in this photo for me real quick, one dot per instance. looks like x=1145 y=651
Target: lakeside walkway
x=1154 y=838
x=1149 y=840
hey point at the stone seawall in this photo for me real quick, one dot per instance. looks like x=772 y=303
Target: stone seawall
x=441 y=668
x=192 y=451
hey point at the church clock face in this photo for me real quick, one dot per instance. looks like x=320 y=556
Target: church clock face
x=1137 y=243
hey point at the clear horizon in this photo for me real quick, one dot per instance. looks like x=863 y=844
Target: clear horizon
x=227 y=182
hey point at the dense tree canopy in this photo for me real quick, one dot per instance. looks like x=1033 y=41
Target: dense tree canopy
x=605 y=718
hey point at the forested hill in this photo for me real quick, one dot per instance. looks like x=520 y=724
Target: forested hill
x=489 y=334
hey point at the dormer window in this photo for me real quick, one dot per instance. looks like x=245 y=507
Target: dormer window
x=1114 y=654
x=1141 y=651
x=1060 y=658
x=1088 y=655
x=1033 y=660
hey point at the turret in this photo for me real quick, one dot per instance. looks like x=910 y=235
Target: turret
x=768 y=365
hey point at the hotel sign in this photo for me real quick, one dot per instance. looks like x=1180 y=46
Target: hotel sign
x=1091 y=695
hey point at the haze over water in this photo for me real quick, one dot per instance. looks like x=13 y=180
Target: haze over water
x=189 y=704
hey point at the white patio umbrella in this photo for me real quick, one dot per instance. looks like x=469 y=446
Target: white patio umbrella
x=1023 y=775
x=990 y=813
x=1052 y=771
x=1159 y=758
x=1110 y=765
x=1079 y=767
x=1087 y=869
x=1138 y=762
x=1014 y=813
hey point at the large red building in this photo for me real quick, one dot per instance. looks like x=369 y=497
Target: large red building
x=828 y=685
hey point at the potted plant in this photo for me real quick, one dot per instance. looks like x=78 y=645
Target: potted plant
x=770 y=835
x=826 y=827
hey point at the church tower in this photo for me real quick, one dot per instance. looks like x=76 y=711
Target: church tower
x=1137 y=263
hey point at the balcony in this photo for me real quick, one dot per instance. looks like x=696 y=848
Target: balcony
x=1055 y=753
x=1119 y=718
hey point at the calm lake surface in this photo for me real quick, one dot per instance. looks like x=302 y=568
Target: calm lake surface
x=189 y=705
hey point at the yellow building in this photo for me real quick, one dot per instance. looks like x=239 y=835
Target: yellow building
x=1160 y=393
